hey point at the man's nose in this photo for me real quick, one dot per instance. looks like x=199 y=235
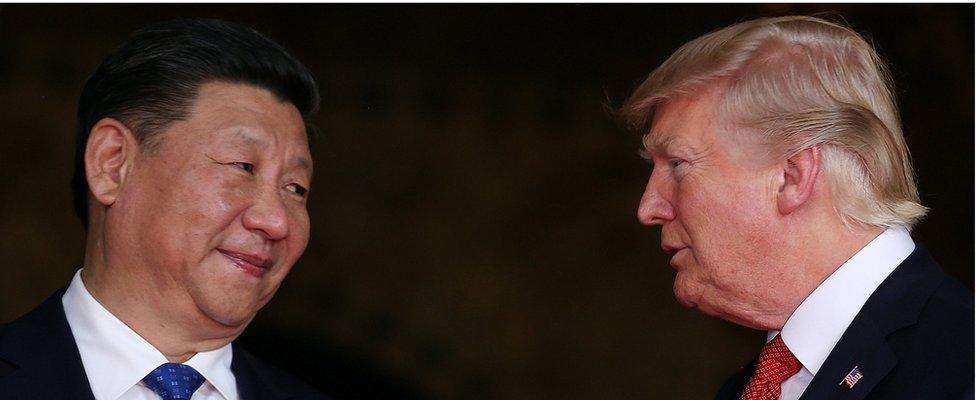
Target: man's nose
x=655 y=206
x=268 y=215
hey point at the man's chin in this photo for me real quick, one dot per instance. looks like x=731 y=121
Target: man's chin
x=693 y=300
x=684 y=293
x=683 y=298
x=228 y=314
x=231 y=320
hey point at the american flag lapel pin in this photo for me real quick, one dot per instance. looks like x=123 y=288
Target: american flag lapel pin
x=852 y=377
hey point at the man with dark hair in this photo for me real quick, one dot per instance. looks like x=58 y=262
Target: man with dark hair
x=192 y=176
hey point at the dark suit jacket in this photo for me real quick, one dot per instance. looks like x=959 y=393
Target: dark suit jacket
x=39 y=360
x=913 y=339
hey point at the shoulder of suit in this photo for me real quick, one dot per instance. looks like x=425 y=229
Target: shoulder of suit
x=942 y=338
x=949 y=310
x=22 y=333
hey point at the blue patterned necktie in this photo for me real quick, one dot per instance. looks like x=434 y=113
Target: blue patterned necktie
x=174 y=381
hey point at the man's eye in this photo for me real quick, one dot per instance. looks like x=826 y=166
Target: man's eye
x=298 y=189
x=247 y=167
x=675 y=163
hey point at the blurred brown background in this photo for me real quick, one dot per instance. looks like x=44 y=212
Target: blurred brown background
x=473 y=206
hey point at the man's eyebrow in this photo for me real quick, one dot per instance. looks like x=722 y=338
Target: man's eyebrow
x=657 y=144
x=303 y=163
x=249 y=138
x=254 y=140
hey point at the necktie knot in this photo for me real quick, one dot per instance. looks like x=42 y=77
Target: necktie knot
x=174 y=381
x=776 y=364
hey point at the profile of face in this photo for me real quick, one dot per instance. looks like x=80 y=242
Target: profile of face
x=215 y=213
x=715 y=201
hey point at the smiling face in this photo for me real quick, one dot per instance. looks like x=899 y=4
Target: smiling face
x=716 y=204
x=214 y=216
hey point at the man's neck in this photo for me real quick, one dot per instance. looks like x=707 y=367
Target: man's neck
x=153 y=316
x=822 y=251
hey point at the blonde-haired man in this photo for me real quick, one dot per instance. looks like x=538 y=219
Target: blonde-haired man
x=785 y=195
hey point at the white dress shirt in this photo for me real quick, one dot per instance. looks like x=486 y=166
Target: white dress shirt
x=116 y=358
x=821 y=319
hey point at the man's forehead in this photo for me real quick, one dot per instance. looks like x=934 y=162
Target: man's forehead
x=689 y=123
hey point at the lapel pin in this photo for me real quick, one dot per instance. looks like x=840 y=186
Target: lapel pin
x=852 y=377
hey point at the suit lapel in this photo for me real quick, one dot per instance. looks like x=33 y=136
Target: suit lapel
x=41 y=357
x=862 y=346
x=894 y=305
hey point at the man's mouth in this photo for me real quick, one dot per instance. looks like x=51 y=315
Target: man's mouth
x=675 y=250
x=252 y=264
x=675 y=255
x=672 y=248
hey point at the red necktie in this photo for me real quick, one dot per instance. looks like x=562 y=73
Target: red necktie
x=776 y=364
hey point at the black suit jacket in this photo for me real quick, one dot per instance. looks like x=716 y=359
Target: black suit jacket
x=39 y=360
x=913 y=339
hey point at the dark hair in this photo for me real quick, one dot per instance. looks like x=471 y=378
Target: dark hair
x=154 y=78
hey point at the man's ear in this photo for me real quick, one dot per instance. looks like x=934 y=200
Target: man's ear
x=109 y=154
x=799 y=176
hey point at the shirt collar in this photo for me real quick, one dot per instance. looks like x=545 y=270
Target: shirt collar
x=214 y=365
x=821 y=319
x=116 y=358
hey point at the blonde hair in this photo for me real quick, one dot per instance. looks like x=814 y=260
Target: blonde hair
x=798 y=82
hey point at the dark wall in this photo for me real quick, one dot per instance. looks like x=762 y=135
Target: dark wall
x=473 y=211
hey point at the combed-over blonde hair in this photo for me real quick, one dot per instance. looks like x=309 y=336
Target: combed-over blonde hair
x=799 y=82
